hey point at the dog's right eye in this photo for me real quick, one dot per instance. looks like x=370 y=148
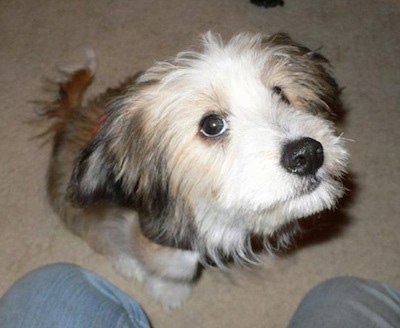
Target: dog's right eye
x=213 y=126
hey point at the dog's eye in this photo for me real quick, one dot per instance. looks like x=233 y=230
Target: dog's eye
x=278 y=91
x=213 y=126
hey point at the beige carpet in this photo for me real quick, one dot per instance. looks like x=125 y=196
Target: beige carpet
x=362 y=40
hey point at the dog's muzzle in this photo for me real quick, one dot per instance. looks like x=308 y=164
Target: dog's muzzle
x=302 y=156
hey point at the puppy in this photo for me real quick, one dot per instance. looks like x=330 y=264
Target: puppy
x=184 y=163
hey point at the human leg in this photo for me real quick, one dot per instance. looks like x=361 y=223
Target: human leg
x=349 y=302
x=68 y=296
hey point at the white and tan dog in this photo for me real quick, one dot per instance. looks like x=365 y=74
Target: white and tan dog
x=186 y=162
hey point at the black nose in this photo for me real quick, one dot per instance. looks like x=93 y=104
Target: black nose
x=302 y=156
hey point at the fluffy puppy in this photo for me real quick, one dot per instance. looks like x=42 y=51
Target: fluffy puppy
x=183 y=164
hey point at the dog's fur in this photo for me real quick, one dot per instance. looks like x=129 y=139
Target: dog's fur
x=135 y=173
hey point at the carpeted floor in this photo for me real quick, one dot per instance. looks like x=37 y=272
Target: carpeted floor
x=362 y=40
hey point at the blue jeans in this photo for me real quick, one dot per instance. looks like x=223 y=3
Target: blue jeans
x=68 y=296
x=65 y=295
x=349 y=302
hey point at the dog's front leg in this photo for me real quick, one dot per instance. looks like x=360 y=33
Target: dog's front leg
x=166 y=272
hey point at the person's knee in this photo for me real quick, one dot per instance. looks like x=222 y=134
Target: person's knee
x=51 y=272
x=327 y=304
x=338 y=285
x=55 y=268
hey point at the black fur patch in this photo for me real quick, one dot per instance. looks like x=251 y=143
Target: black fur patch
x=106 y=188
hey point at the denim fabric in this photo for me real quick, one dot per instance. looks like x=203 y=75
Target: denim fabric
x=349 y=302
x=68 y=296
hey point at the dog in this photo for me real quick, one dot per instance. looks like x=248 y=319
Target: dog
x=181 y=165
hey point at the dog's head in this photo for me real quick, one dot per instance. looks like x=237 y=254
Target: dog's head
x=219 y=143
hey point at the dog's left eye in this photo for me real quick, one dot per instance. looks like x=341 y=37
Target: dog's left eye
x=213 y=126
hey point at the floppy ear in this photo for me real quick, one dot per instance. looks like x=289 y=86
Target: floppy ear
x=95 y=176
x=305 y=78
x=123 y=164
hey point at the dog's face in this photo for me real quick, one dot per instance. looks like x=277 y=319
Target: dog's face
x=220 y=143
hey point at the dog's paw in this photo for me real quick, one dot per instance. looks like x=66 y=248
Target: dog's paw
x=183 y=265
x=129 y=267
x=173 y=263
x=170 y=294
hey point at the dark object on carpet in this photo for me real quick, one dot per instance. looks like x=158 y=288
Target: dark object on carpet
x=267 y=3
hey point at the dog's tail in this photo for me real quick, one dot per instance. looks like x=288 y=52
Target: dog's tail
x=70 y=94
